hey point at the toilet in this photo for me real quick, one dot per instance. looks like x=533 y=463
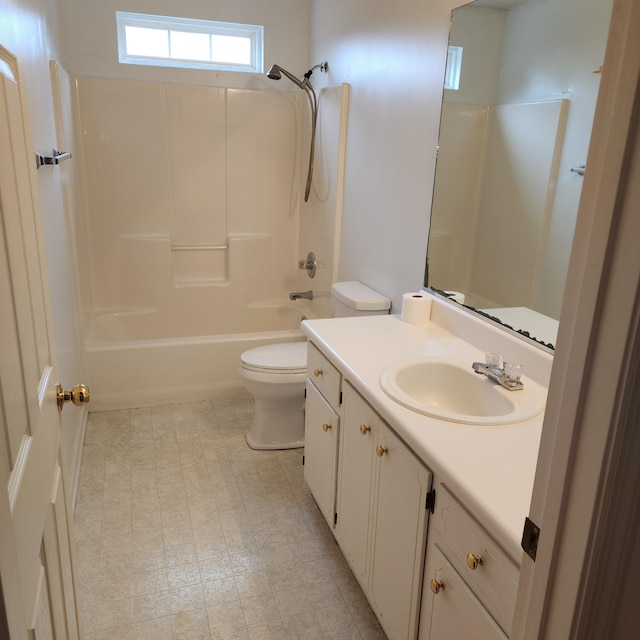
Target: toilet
x=275 y=375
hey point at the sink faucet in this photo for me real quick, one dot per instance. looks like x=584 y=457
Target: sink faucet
x=296 y=295
x=507 y=376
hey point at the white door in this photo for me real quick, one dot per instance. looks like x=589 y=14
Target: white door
x=399 y=535
x=37 y=578
x=322 y=426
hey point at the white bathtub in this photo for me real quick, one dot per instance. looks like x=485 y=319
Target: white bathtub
x=130 y=364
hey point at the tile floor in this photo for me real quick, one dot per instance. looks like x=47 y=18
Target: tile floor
x=183 y=532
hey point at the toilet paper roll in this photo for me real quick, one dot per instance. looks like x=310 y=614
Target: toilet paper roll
x=416 y=308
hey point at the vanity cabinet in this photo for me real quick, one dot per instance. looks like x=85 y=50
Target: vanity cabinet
x=470 y=581
x=382 y=515
x=322 y=431
x=377 y=497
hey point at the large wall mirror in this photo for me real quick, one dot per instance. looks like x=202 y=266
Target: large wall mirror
x=520 y=92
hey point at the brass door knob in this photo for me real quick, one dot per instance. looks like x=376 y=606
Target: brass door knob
x=364 y=429
x=326 y=427
x=473 y=561
x=317 y=373
x=436 y=586
x=380 y=450
x=79 y=395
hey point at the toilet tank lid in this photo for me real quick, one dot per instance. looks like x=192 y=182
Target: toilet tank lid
x=358 y=296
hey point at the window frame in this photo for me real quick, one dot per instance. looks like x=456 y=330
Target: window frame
x=255 y=33
x=453 y=69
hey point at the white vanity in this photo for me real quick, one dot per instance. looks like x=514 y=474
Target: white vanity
x=429 y=513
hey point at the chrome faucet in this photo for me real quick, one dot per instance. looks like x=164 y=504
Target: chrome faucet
x=507 y=376
x=296 y=295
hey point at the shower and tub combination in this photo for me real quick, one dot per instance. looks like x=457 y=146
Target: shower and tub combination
x=195 y=230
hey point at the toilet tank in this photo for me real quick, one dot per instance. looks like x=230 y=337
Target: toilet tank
x=355 y=299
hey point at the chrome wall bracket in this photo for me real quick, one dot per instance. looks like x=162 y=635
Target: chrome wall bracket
x=52 y=157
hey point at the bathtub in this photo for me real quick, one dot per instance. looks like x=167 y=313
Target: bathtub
x=130 y=364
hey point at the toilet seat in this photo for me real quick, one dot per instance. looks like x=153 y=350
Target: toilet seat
x=284 y=358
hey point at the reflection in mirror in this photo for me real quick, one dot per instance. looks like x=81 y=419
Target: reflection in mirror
x=512 y=138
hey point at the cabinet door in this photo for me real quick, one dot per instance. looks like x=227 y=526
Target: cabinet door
x=359 y=435
x=399 y=536
x=452 y=612
x=322 y=426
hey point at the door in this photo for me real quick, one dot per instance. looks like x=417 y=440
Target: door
x=321 y=452
x=359 y=436
x=36 y=564
x=399 y=535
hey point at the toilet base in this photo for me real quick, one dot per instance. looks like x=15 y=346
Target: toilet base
x=277 y=425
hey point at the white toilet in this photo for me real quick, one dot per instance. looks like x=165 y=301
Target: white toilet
x=275 y=375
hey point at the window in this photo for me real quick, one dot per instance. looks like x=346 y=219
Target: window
x=183 y=42
x=452 y=72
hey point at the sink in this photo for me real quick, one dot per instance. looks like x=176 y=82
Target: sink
x=451 y=391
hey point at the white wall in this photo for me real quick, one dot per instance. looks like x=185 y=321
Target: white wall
x=88 y=30
x=392 y=55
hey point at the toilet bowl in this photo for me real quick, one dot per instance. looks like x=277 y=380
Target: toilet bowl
x=275 y=375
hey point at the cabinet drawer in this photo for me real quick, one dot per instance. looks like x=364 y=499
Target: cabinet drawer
x=324 y=375
x=495 y=578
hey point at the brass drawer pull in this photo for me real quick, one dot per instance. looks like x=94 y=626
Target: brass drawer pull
x=380 y=450
x=326 y=427
x=473 y=561
x=436 y=586
x=364 y=429
x=317 y=373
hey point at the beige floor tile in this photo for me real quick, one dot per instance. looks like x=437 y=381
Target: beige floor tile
x=150 y=606
x=184 y=533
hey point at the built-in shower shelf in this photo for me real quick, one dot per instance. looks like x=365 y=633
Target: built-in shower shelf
x=198 y=265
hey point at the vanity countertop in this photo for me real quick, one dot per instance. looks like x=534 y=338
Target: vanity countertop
x=490 y=469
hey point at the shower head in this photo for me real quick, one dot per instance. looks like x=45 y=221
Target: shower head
x=275 y=73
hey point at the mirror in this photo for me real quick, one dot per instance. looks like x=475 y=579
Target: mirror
x=520 y=91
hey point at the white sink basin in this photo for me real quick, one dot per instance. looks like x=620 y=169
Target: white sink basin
x=449 y=391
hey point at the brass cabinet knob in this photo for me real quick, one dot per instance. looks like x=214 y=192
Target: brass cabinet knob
x=364 y=429
x=380 y=450
x=79 y=395
x=317 y=372
x=436 y=586
x=473 y=561
x=326 y=427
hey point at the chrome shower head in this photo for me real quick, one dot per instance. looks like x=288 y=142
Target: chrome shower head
x=275 y=73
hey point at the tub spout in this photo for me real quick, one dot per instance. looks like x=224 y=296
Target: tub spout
x=296 y=295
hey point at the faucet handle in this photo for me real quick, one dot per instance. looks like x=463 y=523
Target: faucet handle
x=512 y=372
x=493 y=359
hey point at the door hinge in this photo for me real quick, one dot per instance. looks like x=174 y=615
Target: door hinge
x=305 y=393
x=303 y=461
x=430 y=502
x=335 y=519
x=340 y=400
x=530 y=537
